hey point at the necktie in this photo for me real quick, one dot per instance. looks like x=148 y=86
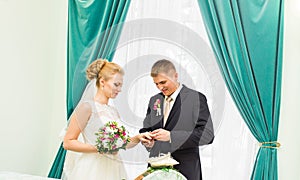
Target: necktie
x=167 y=109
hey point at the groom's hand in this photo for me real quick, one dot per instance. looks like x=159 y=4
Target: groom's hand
x=161 y=135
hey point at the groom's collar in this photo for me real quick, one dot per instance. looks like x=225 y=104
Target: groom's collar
x=183 y=87
x=177 y=91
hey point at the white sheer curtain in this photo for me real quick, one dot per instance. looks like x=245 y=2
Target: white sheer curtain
x=173 y=29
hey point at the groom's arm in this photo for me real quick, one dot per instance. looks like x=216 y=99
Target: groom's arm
x=206 y=129
x=147 y=127
x=150 y=124
x=201 y=134
x=147 y=122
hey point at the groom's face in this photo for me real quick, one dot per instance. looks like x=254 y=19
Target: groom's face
x=166 y=83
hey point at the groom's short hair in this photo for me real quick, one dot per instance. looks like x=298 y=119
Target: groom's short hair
x=162 y=66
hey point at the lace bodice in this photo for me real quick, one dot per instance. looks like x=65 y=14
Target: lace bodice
x=101 y=114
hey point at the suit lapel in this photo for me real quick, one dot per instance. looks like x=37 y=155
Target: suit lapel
x=175 y=111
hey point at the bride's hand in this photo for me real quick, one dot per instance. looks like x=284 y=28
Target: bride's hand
x=115 y=153
x=147 y=139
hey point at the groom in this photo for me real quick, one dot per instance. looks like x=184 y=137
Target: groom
x=178 y=120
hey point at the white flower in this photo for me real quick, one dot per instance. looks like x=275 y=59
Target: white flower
x=119 y=143
x=109 y=130
x=105 y=143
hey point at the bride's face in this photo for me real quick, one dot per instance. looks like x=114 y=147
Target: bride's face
x=113 y=86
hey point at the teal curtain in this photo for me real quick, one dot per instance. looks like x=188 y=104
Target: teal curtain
x=94 y=28
x=246 y=37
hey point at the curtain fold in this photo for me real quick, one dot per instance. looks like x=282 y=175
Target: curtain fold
x=94 y=28
x=246 y=37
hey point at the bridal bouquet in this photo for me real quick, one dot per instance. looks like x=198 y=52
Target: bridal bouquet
x=111 y=138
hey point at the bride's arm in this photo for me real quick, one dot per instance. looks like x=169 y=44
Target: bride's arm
x=144 y=137
x=71 y=138
x=133 y=141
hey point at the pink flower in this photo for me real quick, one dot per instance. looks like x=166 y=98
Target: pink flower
x=156 y=107
x=113 y=126
x=117 y=136
x=156 y=104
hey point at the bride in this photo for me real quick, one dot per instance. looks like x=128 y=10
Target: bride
x=91 y=113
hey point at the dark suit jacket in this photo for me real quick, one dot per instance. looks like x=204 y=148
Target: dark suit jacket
x=190 y=125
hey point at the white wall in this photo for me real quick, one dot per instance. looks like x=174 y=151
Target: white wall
x=289 y=134
x=32 y=76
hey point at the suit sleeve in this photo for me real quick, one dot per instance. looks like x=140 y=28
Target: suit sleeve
x=147 y=121
x=204 y=130
x=201 y=134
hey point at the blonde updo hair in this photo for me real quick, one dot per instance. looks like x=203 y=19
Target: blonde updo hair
x=101 y=68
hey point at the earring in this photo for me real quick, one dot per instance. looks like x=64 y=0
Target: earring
x=102 y=87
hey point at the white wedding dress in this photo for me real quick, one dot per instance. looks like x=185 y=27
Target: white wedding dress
x=90 y=166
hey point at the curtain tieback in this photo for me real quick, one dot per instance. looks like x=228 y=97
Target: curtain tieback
x=271 y=144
